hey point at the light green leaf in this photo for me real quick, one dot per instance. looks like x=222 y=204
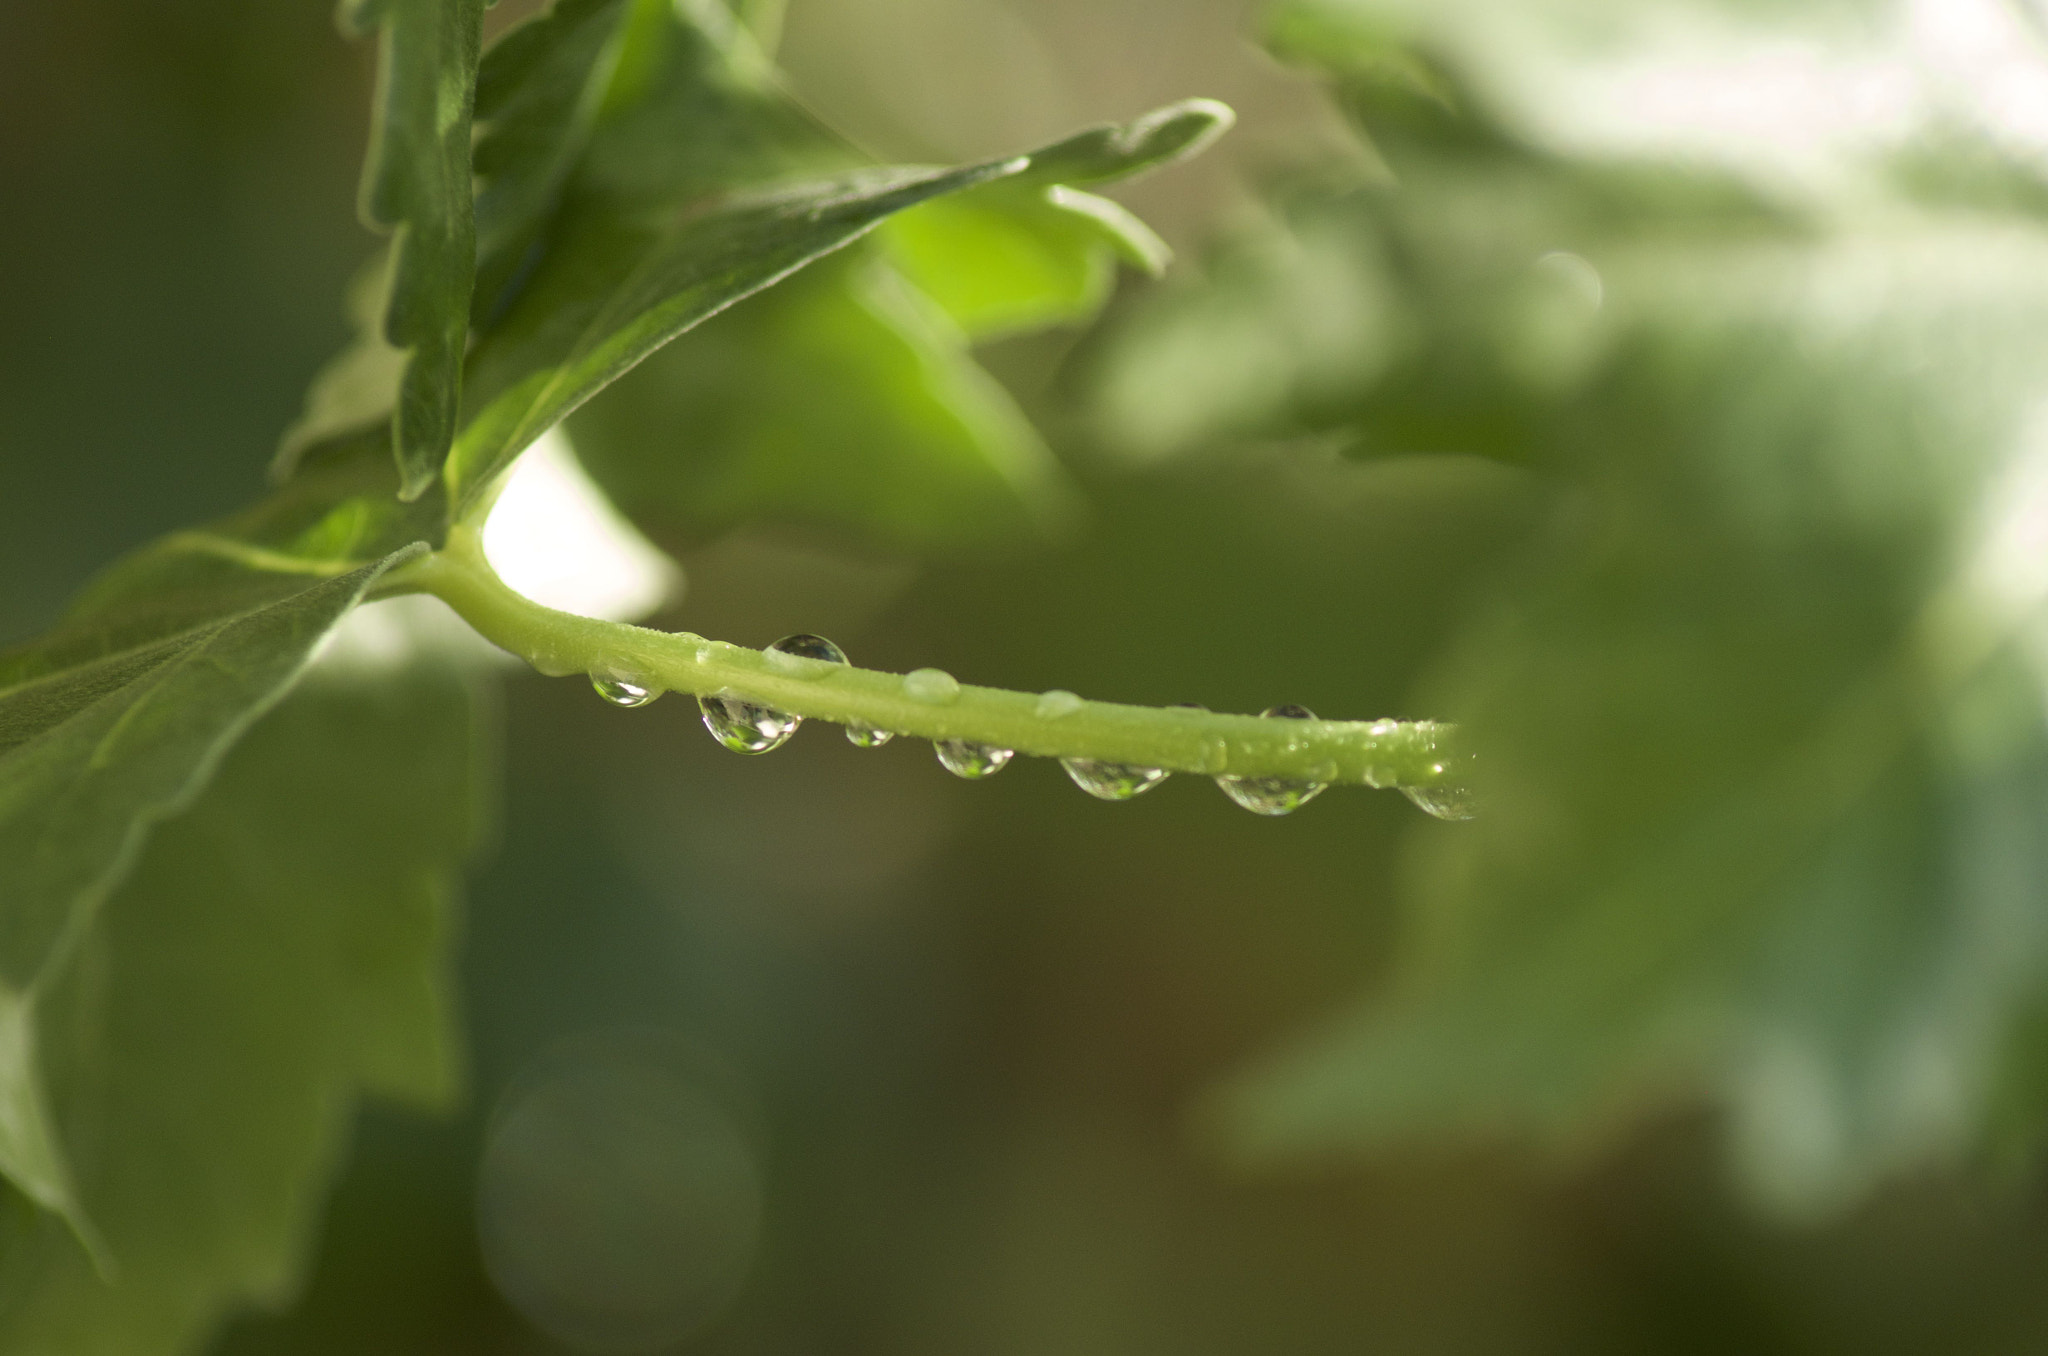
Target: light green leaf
x=280 y=948
x=416 y=184
x=1005 y=259
x=1123 y=150
x=841 y=398
x=1762 y=758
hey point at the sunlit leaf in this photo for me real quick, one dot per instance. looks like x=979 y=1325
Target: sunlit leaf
x=840 y=398
x=1005 y=259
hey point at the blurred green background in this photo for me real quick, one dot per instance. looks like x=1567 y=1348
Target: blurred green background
x=829 y=1052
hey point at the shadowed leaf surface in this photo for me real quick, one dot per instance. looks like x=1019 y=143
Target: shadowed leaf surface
x=279 y=949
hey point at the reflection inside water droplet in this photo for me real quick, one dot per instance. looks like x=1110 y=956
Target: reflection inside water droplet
x=1454 y=803
x=1274 y=795
x=1112 y=781
x=621 y=688
x=973 y=761
x=804 y=656
x=813 y=657
x=744 y=726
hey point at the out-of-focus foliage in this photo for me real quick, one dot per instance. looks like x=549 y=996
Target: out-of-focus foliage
x=1759 y=716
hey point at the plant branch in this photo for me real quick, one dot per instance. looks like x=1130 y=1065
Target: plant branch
x=1059 y=725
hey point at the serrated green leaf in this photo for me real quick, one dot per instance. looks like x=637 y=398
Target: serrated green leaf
x=109 y=725
x=280 y=948
x=840 y=398
x=416 y=184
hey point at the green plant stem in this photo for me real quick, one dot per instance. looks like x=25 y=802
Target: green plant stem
x=1180 y=739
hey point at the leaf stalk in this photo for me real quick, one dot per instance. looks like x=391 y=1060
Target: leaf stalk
x=1384 y=753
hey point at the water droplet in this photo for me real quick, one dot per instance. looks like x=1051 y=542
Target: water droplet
x=1112 y=781
x=972 y=761
x=1445 y=802
x=623 y=688
x=804 y=656
x=812 y=657
x=1057 y=703
x=744 y=726
x=935 y=686
x=1274 y=795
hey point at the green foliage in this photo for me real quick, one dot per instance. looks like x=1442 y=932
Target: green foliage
x=673 y=218
x=1756 y=707
x=1018 y=257
x=538 y=95
x=106 y=727
x=224 y=875
x=609 y=294
x=842 y=397
x=1757 y=720
x=213 y=1022
x=416 y=183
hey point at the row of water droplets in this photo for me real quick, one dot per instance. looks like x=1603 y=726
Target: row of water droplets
x=753 y=727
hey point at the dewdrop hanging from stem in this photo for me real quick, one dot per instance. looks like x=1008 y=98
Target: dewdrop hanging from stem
x=754 y=700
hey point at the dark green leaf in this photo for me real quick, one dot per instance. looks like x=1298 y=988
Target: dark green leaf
x=280 y=947
x=683 y=205
x=416 y=184
x=538 y=93
x=606 y=298
x=109 y=725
